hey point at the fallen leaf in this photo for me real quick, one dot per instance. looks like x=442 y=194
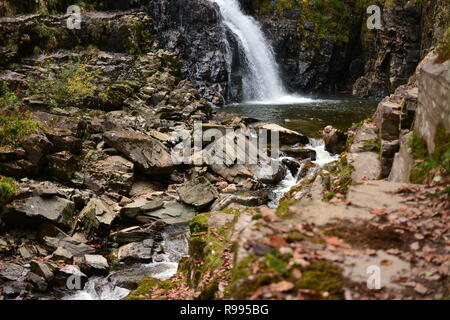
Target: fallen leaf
x=420 y=288
x=335 y=241
x=378 y=211
x=386 y=262
x=281 y=286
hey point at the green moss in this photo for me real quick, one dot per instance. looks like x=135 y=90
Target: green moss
x=296 y=236
x=425 y=164
x=12 y=129
x=7 y=189
x=323 y=276
x=373 y=145
x=283 y=208
x=338 y=178
x=199 y=223
x=257 y=216
x=146 y=286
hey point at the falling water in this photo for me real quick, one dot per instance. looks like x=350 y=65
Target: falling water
x=261 y=82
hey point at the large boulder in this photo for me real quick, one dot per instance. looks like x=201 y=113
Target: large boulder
x=173 y=213
x=74 y=246
x=198 y=193
x=36 y=147
x=42 y=209
x=148 y=154
x=135 y=252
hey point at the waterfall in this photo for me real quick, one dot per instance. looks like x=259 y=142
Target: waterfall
x=261 y=82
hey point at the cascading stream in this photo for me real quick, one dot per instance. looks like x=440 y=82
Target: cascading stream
x=261 y=82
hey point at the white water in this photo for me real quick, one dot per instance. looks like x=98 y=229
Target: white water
x=322 y=158
x=108 y=288
x=262 y=82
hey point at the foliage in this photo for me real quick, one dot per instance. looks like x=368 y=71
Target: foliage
x=71 y=85
x=7 y=188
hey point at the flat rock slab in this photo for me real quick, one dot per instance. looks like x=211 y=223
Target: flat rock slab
x=198 y=193
x=376 y=194
x=173 y=213
x=390 y=267
x=12 y=271
x=367 y=166
x=322 y=213
x=53 y=209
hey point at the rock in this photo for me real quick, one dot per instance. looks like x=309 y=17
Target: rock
x=43 y=270
x=114 y=173
x=198 y=193
x=365 y=139
x=97 y=217
x=62 y=165
x=299 y=153
x=62 y=254
x=387 y=117
x=12 y=271
x=135 y=252
x=47 y=189
x=335 y=140
x=70 y=275
x=36 y=147
x=286 y=136
x=38 y=209
x=38 y=282
x=147 y=153
x=75 y=247
x=63 y=140
x=367 y=166
x=141 y=205
x=173 y=213
x=96 y=264
x=25 y=253
x=249 y=201
x=403 y=162
x=138 y=234
x=13 y=289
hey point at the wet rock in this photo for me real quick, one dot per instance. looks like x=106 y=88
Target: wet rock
x=137 y=234
x=335 y=140
x=97 y=217
x=69 y=275
x=173 y=213
x=147 y=153
x=39 y=209
x=198 y=193
x=13 y=289
x=299 y=153
x=135 y=252
x=39 y=284
x=75 y=247
x=141 y=205
x=43 y=270
x=12 y=271
x=95 y=264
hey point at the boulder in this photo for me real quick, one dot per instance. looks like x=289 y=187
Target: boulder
x=13 y=289
x=141 y=205
x=62 y=254
x=36 y=147
x=135 y=252
x=95 y=264
x=39 y=284
x=62 y=165
x=12 y=271
x=138 y=234
x=335 y=140
x=43 y=270
x=299 y=153
x=198 y=193
x=113 y=173
x=70 y=274
x=97 y=217
x=387 y=117
x=173 y=213
x=147 y=153
x=286 y=136
x=75 y=247
x=39 y=209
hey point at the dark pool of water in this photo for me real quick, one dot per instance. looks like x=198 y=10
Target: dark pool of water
x=340 y=111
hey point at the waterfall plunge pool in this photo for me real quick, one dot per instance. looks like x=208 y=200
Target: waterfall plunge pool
x=310 y=115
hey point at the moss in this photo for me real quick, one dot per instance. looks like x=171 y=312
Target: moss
x=296 y=236
x=7 y=189
x=426 y=165
x=323 y=276
x=339 y=178
x=283 y=209
x=257 y=216
x=12 y=129
x=373 y=145
x=145 y=288
x=199 y=223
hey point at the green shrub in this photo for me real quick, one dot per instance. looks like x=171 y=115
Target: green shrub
x=7 y=188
